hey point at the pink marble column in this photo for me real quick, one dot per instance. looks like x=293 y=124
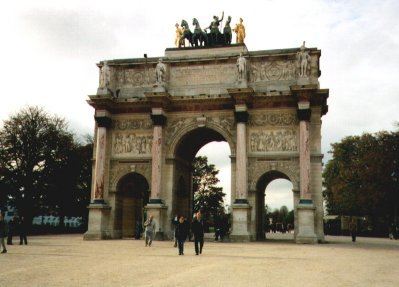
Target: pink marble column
x=158 y=120
x=304 y=150
x=241 y=116
x=241 y=162
x=156 y=178
x=103 y=121
x=304 y=160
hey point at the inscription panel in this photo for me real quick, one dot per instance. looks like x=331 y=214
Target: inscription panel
x=203 y=74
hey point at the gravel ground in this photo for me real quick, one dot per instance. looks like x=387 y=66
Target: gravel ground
x=67 y=260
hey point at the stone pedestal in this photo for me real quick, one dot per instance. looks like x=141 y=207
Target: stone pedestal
x=303 y=80
x=98 y=222
x=306 y=231
x=241 y=221
x=159 y=88
x=158 y=210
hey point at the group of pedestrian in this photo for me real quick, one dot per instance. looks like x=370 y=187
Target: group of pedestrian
x=8 y=230
x=182 y=232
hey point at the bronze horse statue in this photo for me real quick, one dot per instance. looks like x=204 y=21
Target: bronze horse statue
x=227 y=32
x=200 y=38
x=187 y=34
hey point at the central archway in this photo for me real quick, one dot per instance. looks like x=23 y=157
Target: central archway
x=261 y=186
x=185 y=151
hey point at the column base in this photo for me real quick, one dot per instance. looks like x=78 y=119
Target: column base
x=157 y=209
x=241 y=221
x=306 y=222
x=98 y=221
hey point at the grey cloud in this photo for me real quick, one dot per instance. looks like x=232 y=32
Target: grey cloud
x=72 y=33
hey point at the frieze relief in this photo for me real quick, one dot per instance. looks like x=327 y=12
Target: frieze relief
x=134 y=77
x=128 y=144
x=273 y=119
x=273 y=140
x=137 y=124
x=273 y=71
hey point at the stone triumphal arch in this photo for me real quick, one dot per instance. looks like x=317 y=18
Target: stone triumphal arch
x=153 y=115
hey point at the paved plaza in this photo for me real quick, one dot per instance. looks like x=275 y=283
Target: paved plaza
x=67 y=260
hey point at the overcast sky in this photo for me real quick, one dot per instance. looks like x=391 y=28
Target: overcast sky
x=50 y=49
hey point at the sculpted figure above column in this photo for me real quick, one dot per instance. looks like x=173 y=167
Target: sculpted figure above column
x=303 y=61
x=160 y=72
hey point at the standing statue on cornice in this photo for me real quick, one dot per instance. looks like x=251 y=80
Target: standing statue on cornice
x=105 y=75
x=303 y=61
x=242 y=75
x=160 y=72
x=214 y=28
x=240 y=32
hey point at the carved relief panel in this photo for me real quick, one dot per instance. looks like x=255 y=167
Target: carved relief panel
x=273 y=70
x=130 y=144
x=273 y=140
x=273 y=131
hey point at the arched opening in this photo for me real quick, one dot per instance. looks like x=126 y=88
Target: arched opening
x=131 y=197
x=272 y=193
x=186 y=150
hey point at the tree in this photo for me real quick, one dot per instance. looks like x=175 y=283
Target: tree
x=40 y=162
x=362 y=177
x=207 y=196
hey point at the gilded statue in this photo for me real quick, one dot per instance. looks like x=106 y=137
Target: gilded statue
x=179 y=40
x=240 y=32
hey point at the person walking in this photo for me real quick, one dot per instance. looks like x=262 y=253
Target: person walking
x=353 y=229
x=22 y=231
x=149 y=230
x=175 y=222
x=11 y=230
x=197 y=227
x=182 y=231
x=3 y=233
x=138 y=230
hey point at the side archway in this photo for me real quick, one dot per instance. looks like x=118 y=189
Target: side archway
x=132 y=194
x=260 y=189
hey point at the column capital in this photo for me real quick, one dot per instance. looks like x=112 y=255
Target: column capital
x=304 y=114
x=103 y=118
x=241 y=116
x=158 y=117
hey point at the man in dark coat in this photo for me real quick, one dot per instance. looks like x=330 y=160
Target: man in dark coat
x=22 y=231
x=197 y=227
x=3 y=232
x=182 y=230
x=353 y=229
x=11 y=229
